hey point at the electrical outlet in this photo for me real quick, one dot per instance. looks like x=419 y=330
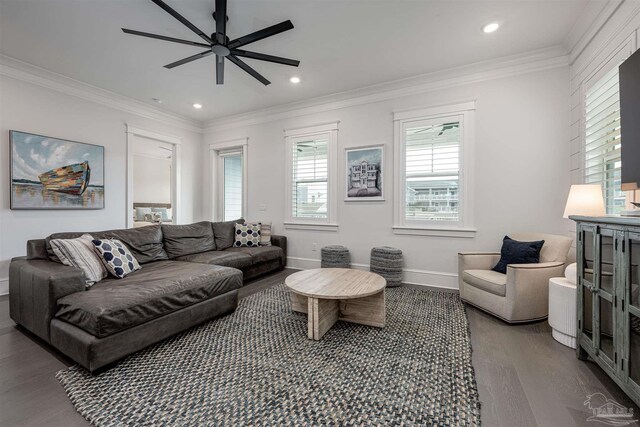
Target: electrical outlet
x=314 y=247
x=262 y=208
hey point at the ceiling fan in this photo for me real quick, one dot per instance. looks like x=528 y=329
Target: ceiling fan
x=220 y=45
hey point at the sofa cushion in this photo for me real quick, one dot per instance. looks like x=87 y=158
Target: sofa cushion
x=225 y=233
x=180 y=240
x=145 y=243
x=487 y=280
x=225 y=259
x=158 y=289
x=259 y=254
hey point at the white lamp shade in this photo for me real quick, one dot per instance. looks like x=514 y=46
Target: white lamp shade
x=585 y=200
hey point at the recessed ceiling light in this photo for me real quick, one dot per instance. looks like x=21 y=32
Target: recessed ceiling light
x=490 y=28
x=294 y=80
x=157 y=100
x=197 y=106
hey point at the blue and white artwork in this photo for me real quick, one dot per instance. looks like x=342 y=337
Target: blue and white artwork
x=51 y=173
x=364 y=173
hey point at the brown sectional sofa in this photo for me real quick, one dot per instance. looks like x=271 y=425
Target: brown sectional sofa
x=189 y=274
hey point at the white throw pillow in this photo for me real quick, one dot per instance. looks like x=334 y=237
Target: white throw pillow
x=80 y=253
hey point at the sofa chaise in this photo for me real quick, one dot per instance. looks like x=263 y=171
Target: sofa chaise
x=190 y=274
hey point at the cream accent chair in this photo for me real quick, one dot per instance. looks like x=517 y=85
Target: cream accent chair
x=521 y=295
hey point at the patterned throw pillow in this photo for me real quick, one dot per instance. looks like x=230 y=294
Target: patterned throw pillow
x=79 y=253
x=265 y=232
x=116 y=257
x=247 y=235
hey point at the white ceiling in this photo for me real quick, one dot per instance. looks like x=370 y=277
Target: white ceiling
x=342 y=45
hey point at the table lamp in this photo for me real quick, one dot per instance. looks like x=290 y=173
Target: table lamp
x=585 y=200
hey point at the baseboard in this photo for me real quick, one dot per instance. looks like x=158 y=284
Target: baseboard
x=4 y=286
x=412 y=276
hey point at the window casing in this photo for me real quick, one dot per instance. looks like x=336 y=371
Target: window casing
x=311 y=181
x=433 y=149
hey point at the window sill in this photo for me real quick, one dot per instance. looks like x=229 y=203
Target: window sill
x=310 y=226
x=435 y=231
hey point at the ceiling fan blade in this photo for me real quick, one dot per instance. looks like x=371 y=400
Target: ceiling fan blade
x=219 y=69
x=248 y=69
x=182 y=19
x=221 y=21
x=189 y=59
x=263 y=57
x=165 y=38
x=261 y=34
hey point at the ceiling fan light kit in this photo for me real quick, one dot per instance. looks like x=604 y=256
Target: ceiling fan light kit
x=220 y=45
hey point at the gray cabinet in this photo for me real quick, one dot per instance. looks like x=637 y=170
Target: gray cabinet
x=608 y=256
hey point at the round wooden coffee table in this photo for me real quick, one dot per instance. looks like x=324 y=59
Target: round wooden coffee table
x=331 y=294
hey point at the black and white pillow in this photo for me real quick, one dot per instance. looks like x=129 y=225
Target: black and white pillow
x=79 y=253
x=247 y=235
x=116 y=257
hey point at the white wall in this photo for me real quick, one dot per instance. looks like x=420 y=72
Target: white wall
x=32 y=108
x=613 y=36
x=520 y=181
x=151 y=179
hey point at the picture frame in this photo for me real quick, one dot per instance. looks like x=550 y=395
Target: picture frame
x=49 y=173
x=364 y=177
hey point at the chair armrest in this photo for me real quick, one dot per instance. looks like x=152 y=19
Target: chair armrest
x=34 y=289
x=477 y=260
x=281 y=242
x=530 y=266
x=527 y=289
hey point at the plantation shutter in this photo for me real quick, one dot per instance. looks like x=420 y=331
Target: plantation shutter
x=232 y=183
x=602 y=140
x=432 y=171
x=310 y=184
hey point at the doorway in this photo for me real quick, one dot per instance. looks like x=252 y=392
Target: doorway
x=153 y=172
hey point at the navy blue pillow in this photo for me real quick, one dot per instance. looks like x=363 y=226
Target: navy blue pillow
x=515 y=252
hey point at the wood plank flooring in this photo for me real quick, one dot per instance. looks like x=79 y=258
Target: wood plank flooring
x=525 y=378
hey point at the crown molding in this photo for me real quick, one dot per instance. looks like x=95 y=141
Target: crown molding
x=577 y=42
x=587 y=27
x=529 y=62
x=590 y=37
x=19 y=70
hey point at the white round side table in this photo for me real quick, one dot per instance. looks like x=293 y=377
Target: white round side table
x=562 y=311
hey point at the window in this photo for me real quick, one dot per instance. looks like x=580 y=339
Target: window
x=310 y=179
x=430 y=150
x=229 y=179
x=311 y=154
x=231 y=185
x=602 y=140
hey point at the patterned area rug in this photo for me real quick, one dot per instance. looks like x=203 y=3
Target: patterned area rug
x=256 y=367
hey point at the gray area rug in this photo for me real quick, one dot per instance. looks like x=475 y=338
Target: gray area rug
x=256 y=367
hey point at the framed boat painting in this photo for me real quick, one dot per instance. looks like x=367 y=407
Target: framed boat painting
x=50 y=173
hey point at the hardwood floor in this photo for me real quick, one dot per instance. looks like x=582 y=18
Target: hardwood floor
x=525 y=378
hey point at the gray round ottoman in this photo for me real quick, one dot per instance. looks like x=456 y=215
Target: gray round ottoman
x=335 y=256
x=387 y=262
